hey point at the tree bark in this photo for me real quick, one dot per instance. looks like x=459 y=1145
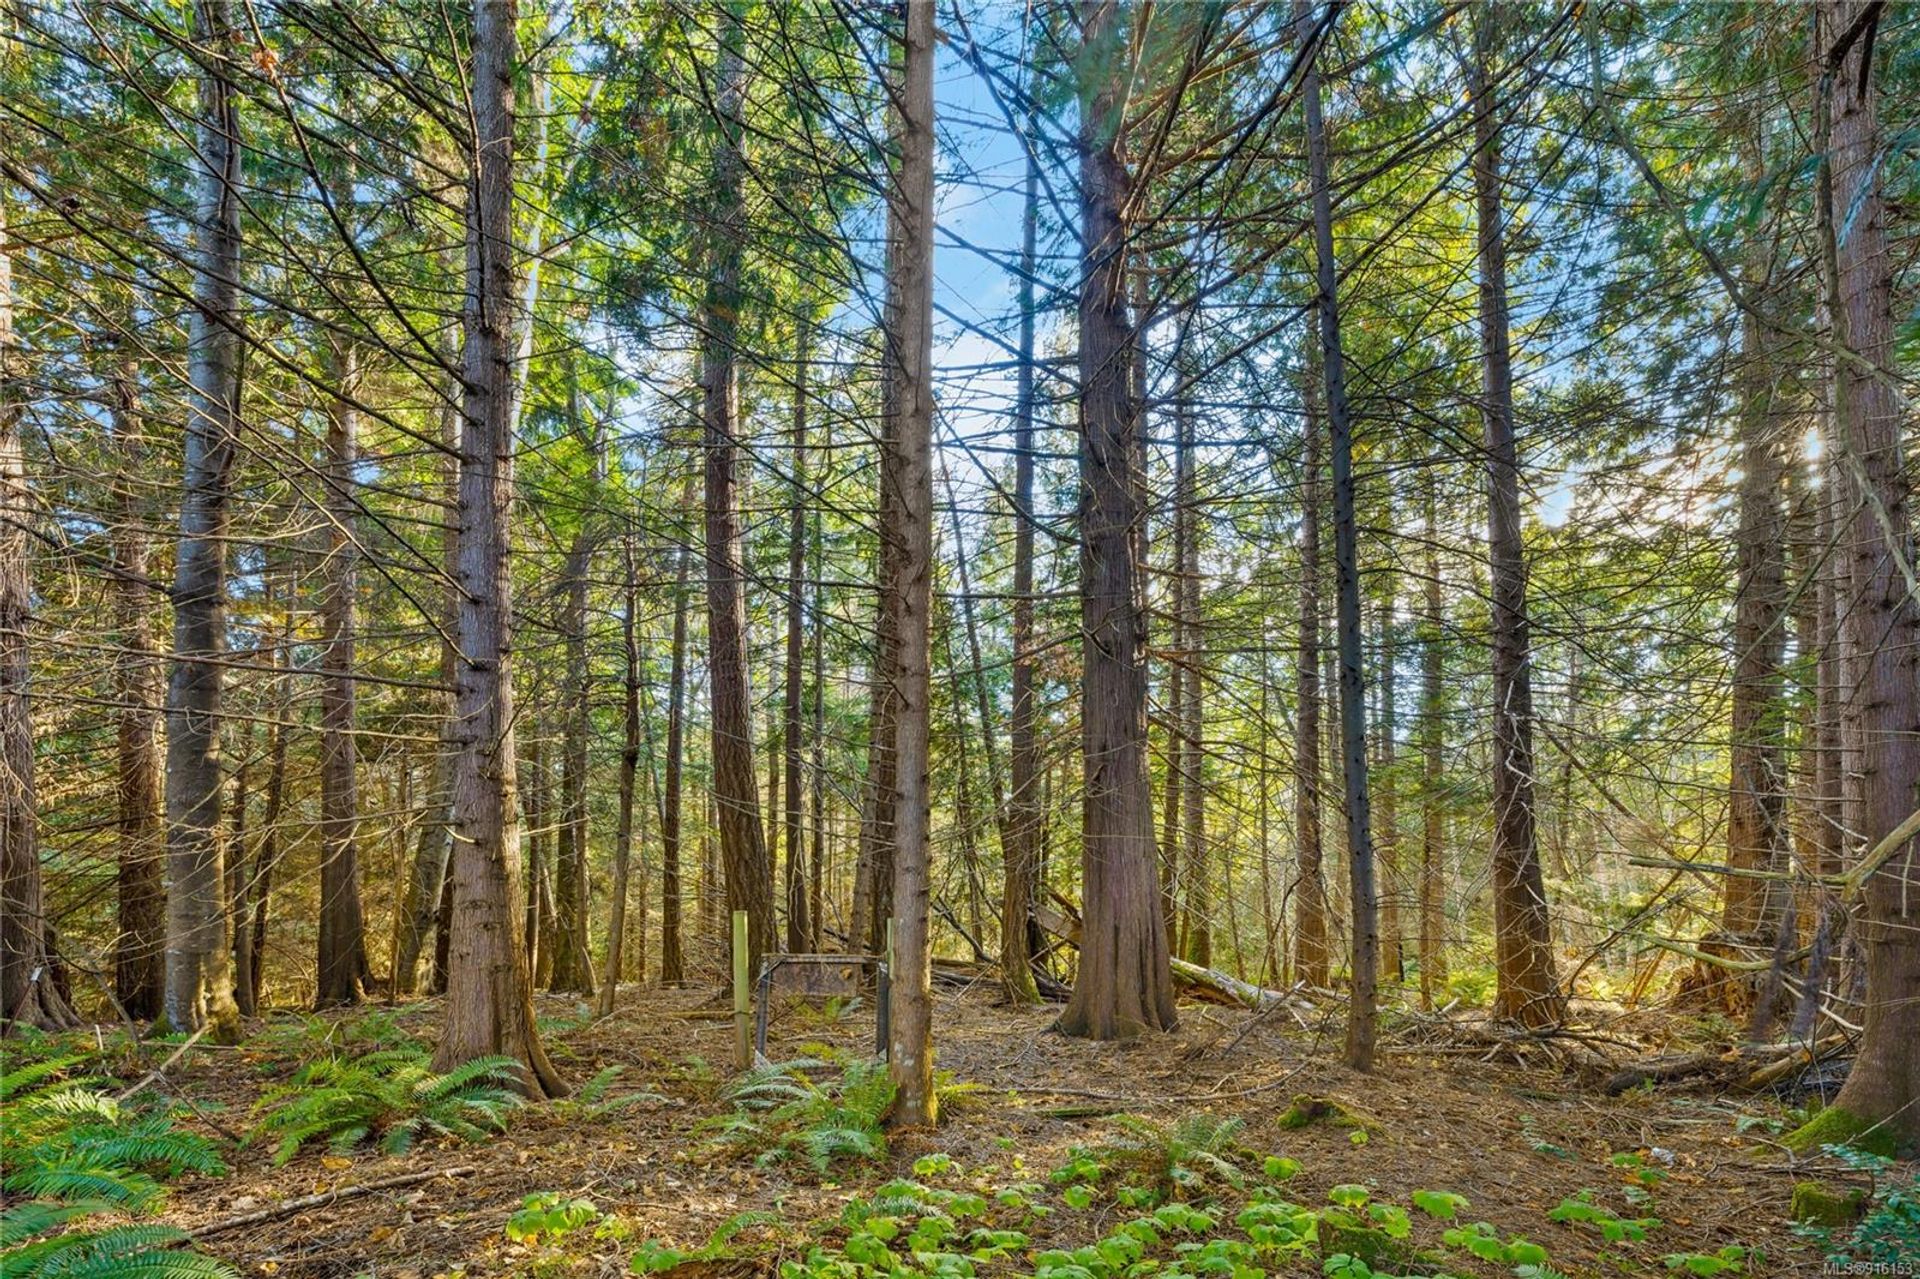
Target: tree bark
x=572 y=954
x=799 y=918
x=250 y=956
x=872 y=901
x=1387 y=834
x=1353 y=695
x=743 y=844
x=629 y=768
x=1198 y=928
x=909 y=472
x=28 y=991
x=139 y=957
x=817 y=817
x=1880 y=630
x=342 y=965
x=1124 y=986
x=1433 y=742
x=1310 y=926
x=1528 y=990
x=1020 y=854
x=489 y=1002
x=1756 y=808
x=199 y=987
x=672 y=961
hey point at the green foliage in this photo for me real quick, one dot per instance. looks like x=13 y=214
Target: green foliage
x=73 y=1155
x=1834 y=1126
x=1441 y=1205
x=1730 y=1260
x=310 y=1037
x=1173 y=1159
x=1482 y=1240
x=549 y=1216
x=593 y=1099
x=1643 y=1176
x=653 y=1256
x=1856 y=1227
x=1280 y=1168
x=1309 y=1109
x=1821 y=1208
x=1540 y=1145
x=1081 y=1165
x=392 y=1096
x=68 y=1140
x=1612 y=1227
x=781 y=1111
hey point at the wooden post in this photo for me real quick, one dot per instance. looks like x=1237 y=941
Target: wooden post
x=742 y=994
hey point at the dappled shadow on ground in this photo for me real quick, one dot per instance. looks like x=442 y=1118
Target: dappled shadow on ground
x=1513 y=1141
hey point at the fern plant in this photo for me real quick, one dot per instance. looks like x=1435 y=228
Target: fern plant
x=593 y=1099
x=1175 y=1158
x=72 y=1155
x=65 y=1139
x=392 y=1096
x=781 y=1111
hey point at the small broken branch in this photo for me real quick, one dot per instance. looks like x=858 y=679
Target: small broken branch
x=291 y=1206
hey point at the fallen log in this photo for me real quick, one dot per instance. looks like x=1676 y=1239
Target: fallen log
x=1751 y=1069
x=1208 y=984
x=1662 y=1070
x=958 y=974
x=1214 y=986
x=1798 y=1059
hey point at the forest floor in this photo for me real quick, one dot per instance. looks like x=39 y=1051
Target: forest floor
x=1513 y=1141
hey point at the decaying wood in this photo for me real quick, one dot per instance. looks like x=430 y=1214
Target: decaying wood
x=1750 y=1068
x=1214 y=986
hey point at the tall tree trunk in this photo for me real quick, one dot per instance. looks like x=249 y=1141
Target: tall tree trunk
x=249 y=880
x=1125 y=983
x=872 y=901
x=572 y=958
x=909 y=472
x=343 y=949
x=1172 y=874
x=199 y=990
x=1387 y=834
x=1880 y=633
x=489 y=1003
x=572 y=952
x=139 y=956
x=817 y=861
x=977 y=682
x=1198 y=929
x=28 y=992
x=1353 y=696
x=1271 y=925
x=1019 y=853
x=1528 y=990
x=1312 y=961
x=799 y=918
x=1756 y=809
x=1433 y=766
x=629 y=767
x=250 y=979
x=672 y=961
x=238 y=797
x=743 y=844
